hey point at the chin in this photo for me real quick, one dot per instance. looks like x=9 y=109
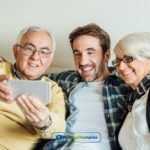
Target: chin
x=88 y=79
x=129 y=82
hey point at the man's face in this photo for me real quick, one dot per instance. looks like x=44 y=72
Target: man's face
x=33 y=66
x=88 y=57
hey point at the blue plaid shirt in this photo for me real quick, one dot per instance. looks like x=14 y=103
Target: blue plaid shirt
x=115 y=94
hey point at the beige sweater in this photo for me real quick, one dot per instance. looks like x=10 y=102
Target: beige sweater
x=15 y=132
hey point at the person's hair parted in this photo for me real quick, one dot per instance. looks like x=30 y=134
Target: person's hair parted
x=92 y=30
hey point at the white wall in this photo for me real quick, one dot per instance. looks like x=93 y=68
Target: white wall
x=117 y=17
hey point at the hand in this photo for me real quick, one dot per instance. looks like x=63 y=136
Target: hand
x=35 y=112
x=5 y=92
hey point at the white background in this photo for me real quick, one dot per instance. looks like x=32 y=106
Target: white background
x=117 y=17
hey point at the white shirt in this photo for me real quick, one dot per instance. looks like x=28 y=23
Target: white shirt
x=90 y=117
x=134 y=134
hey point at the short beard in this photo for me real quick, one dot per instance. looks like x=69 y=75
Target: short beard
x=101 y=70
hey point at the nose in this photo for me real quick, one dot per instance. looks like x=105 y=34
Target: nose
x=35 y=55
x=122 y=66
x=84 y=59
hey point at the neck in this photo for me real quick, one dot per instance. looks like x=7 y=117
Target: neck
x=104 y=75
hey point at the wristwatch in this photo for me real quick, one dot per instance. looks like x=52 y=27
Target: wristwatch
x=46 y=126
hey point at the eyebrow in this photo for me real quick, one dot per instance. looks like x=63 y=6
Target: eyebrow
x=91 y=48
x=121 y=58
x=88 y=49
x=30 y=44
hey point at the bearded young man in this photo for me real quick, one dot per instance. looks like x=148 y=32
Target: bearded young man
x=95 y=98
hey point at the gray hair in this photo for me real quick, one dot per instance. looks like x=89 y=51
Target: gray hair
x=35 y=28
x=135 y=44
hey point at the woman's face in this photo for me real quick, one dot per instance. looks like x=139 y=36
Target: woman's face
x=134 y=72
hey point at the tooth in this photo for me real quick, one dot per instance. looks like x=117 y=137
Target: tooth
x=126 y=73
x=87 y=69
x=34 y=65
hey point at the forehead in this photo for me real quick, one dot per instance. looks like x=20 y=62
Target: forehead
x=120 y=54
x=38 y=38
x=85 y=41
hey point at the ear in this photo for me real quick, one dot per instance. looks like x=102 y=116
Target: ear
x=107 y=56
x=15 y=50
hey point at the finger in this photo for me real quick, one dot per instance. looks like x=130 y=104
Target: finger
x=22 y=102
x=42 y=113
x=4 y=88
x=42 y=110
x=6 y=98
x=4 y=77
x=18 y=101
x=36 y=103
x=5 y=93
x=31 y=117
x=39 y=111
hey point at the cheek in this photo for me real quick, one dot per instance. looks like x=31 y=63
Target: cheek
x=98 y=62
x=117 y=69
x=22 y=58
x=46 y=63
x=141 y=69
x=76 y=61
x=21 y=61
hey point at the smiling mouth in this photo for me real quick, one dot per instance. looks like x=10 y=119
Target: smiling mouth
x=127 y=73
x=32 y=65
x=86 y=70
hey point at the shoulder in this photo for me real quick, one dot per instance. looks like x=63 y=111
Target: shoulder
x=69 y=75
x=5 y=68
x=114 y=82
x=67 y=78
x=46 y=79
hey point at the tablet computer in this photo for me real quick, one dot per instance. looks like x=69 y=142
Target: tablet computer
x=38 y=89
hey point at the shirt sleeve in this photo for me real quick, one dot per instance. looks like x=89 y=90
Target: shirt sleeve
x=57 y=113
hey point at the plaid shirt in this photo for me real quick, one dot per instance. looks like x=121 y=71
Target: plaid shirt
x=115 y=93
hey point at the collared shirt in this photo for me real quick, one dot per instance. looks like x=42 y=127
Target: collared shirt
x=115 y=94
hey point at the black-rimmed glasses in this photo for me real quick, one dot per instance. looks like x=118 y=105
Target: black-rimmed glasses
x=30 y=50
x=126 y=59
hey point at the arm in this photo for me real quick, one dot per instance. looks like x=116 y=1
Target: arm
x=46 y=119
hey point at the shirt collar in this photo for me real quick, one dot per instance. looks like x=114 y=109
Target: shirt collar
x=18 y=74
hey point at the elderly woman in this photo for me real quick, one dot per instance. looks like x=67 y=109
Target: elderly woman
x=133 y=64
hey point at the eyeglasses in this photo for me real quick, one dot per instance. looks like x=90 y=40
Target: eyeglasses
x=126 y=59
x=30 y=50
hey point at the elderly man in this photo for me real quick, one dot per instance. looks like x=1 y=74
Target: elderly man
x=25 y=119
x=96 y=98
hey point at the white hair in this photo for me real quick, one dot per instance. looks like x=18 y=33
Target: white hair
x=35 y=28
x=135 y=44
